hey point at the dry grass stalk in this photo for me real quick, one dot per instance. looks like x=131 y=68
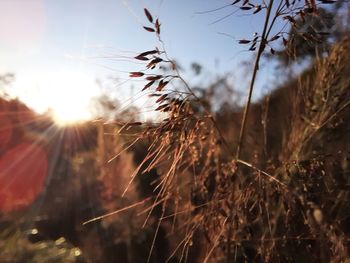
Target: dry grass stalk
x=228 y=213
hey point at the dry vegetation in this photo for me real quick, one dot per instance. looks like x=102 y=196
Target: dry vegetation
x=289 y=201
x=197 y=187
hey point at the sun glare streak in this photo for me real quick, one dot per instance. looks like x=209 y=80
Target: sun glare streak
x=59 y=140
x=24 y=162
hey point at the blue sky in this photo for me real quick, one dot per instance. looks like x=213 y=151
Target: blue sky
x=58 y=48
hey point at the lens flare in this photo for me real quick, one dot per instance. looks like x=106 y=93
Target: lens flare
x=23 y=170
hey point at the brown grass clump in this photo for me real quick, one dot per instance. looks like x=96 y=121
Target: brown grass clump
x=288 y=203
x=229 y=210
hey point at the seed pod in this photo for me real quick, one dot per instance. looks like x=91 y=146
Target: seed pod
x=136 y=74
x=148 y=15
x=149 y=29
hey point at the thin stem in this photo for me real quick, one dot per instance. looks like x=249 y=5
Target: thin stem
x=252 y=82
x=222 y=138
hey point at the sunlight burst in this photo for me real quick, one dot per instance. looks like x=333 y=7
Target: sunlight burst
x=65 y=95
